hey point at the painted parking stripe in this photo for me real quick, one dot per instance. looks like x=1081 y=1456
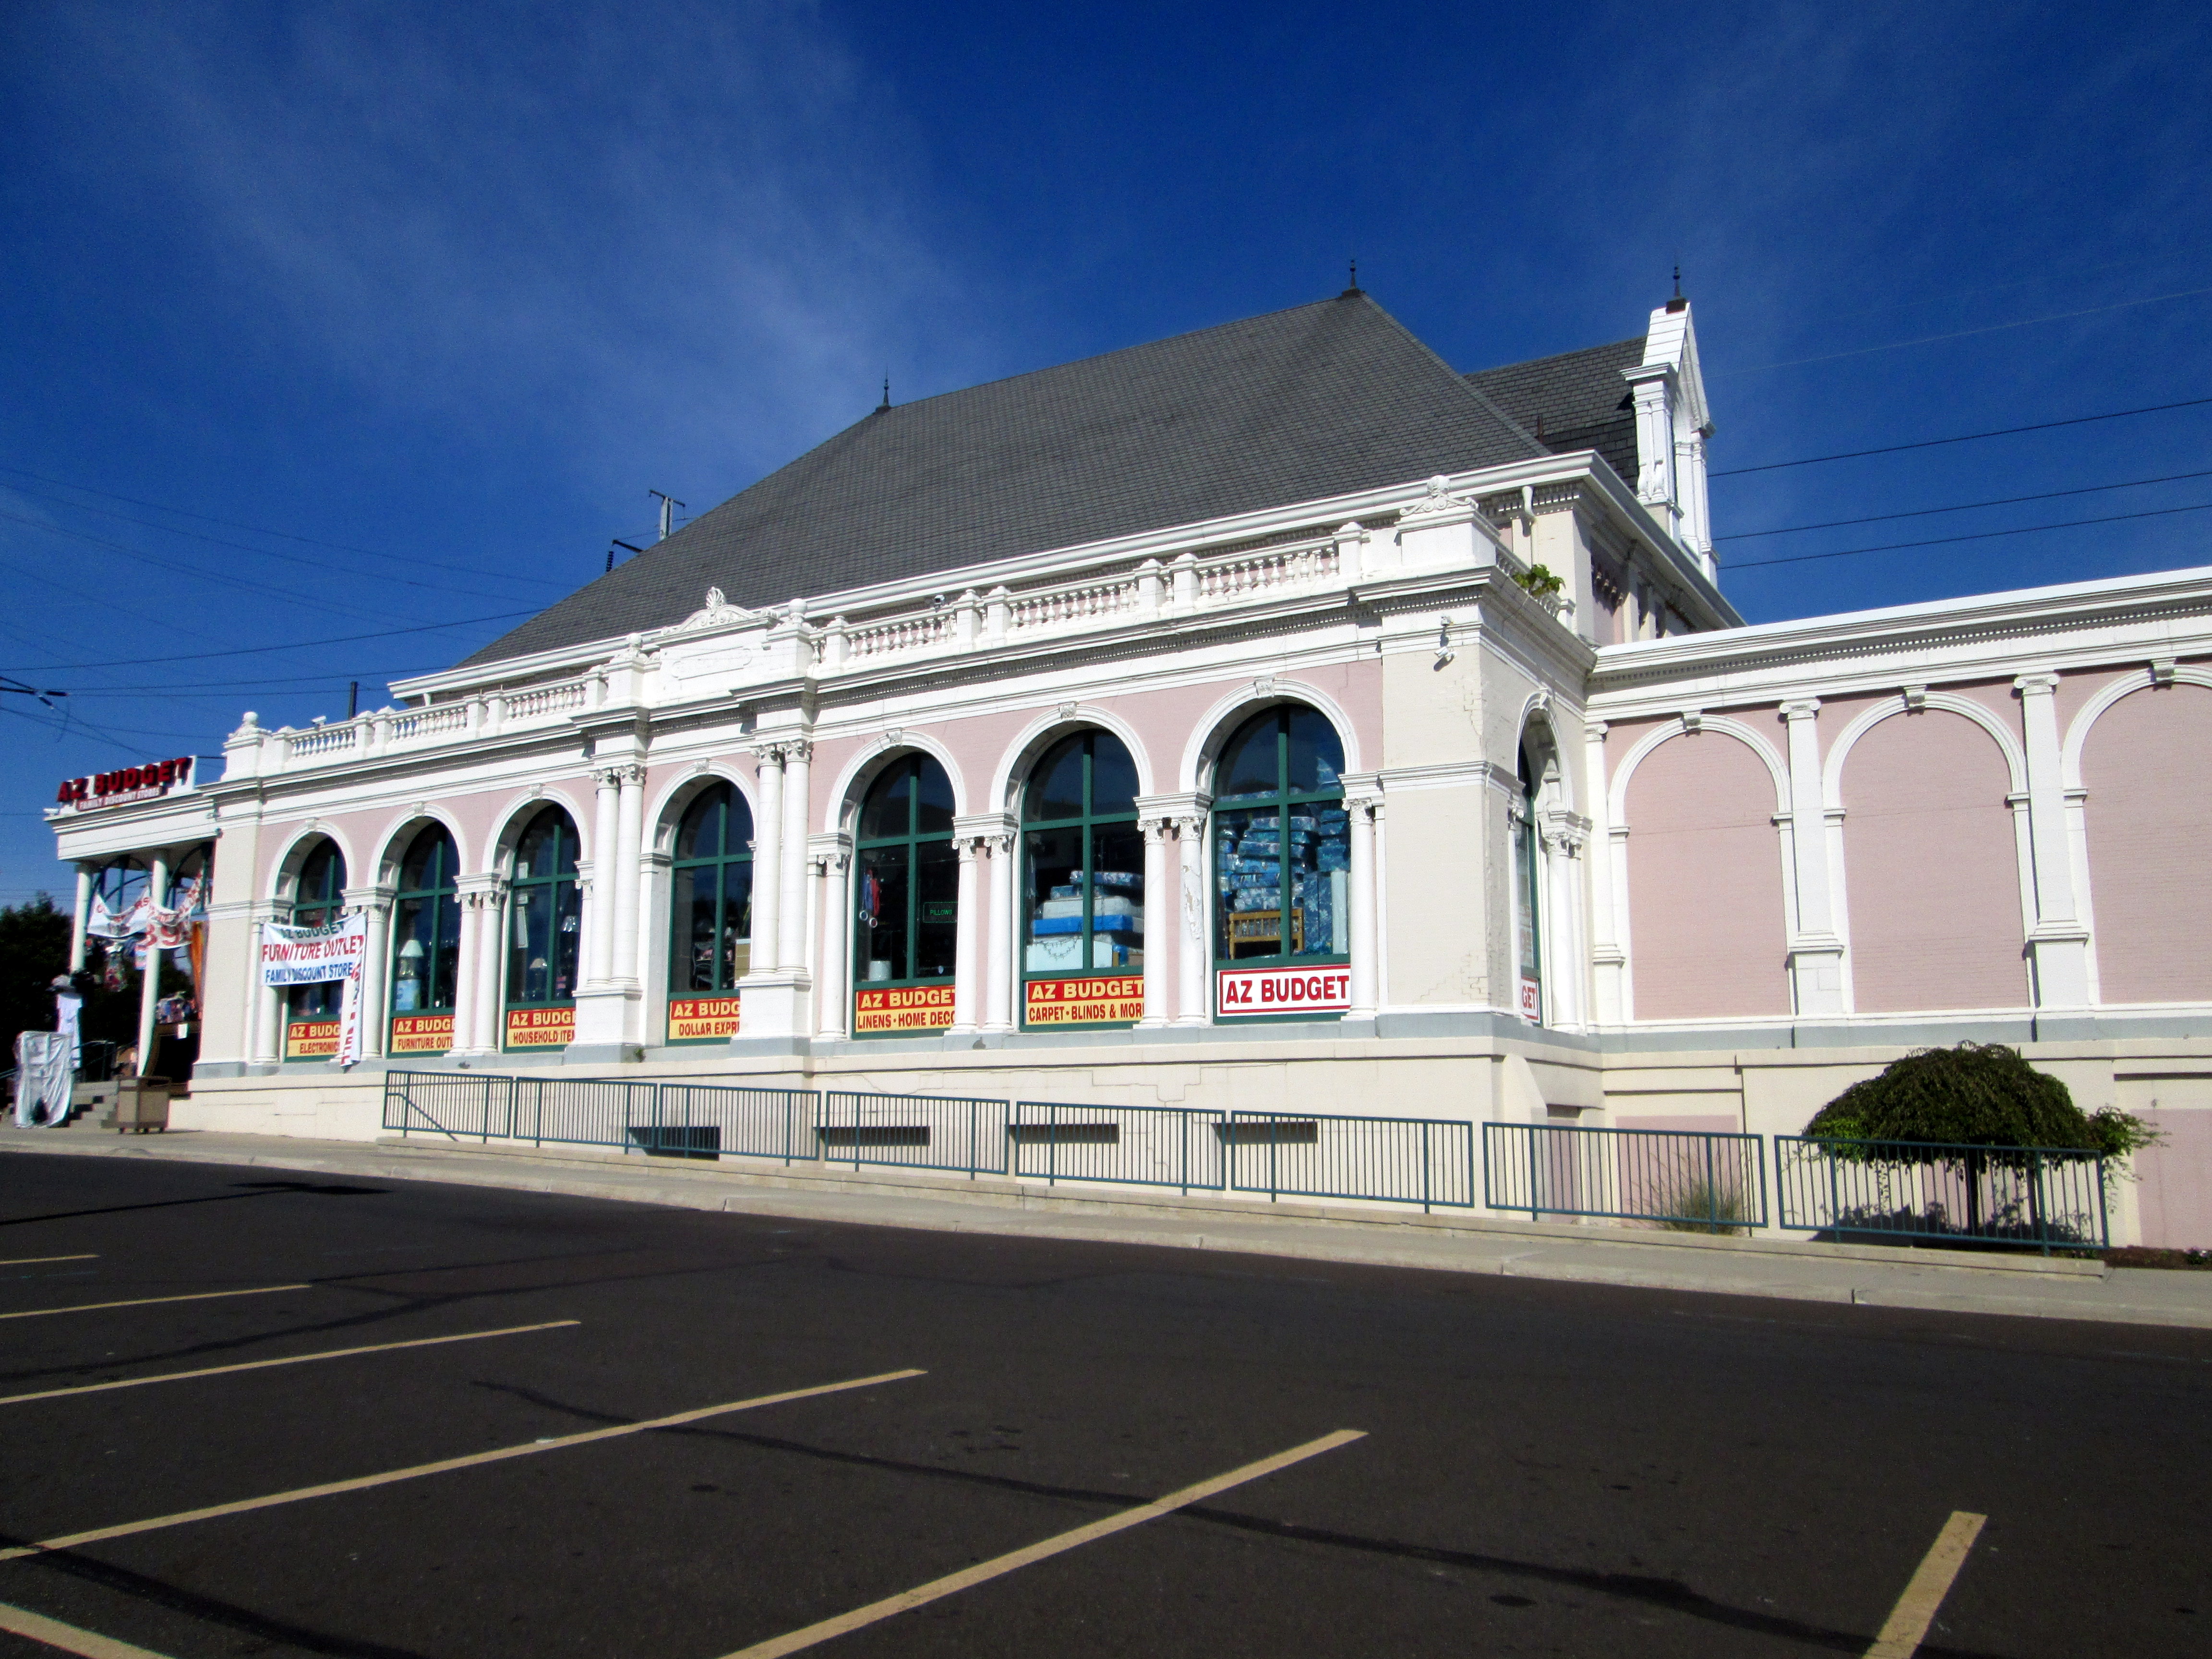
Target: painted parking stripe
x=364 y=1482
x=1901 y=1637
x=983 y=1572
x=34 y=1261
x=21 y=1621
x=152 y=1301
x=264 y=1364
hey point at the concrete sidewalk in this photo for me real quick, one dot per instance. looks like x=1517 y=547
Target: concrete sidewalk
x=2019 y=1285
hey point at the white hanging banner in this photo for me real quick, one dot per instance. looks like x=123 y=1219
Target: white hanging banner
x=348 y=1051
x=313 y=956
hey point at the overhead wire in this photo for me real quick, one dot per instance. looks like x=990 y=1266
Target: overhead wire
x=1963 y=506
x=1962 y=438
x=1978 y=536
x=297 y=645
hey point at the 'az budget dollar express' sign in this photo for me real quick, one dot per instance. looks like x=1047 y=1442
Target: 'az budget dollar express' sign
x=1283 y=990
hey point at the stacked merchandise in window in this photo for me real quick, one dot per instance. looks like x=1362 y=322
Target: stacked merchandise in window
x=1117 y=925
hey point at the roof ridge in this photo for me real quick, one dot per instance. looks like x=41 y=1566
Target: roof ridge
x=1450 y=374
x=1558 y=356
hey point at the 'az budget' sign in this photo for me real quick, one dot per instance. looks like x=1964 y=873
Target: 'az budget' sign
x=1283 y=990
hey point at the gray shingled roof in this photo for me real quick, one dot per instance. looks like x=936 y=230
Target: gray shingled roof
x=1576 y=400
x=1320 y=400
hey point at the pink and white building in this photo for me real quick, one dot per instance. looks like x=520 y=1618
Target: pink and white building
x=1192 y=725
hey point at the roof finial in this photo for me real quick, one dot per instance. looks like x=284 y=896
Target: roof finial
x=886 y=402
x=1678 y=279
x=1352 y=290
x=1678 y=303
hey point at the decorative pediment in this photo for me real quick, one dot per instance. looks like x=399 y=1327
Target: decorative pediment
x=718 y=612
x=1439 y=500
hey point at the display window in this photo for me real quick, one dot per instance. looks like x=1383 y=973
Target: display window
x=906 y=886
x=1282 y=863
x=1083 y=892
x=546 y=917
x=311 y=1013
x=711 y=921
x=426 y=946
x=1528 y=913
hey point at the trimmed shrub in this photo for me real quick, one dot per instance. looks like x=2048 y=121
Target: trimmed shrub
x=1975 y=1094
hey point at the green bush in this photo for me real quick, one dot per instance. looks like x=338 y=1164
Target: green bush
x=1540 y=581
x=1975 y=1094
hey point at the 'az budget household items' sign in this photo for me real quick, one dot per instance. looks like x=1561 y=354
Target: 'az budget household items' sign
x=1283 y=990
x=315 y=956
x=540 y=1027
x=902 y=1008
x=1114 y=999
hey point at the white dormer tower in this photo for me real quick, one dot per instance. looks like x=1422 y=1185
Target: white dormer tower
x=1672 y=426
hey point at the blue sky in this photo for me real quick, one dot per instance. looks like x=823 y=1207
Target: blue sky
x=412 y=304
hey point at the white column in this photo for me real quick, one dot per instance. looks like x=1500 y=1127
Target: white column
x=1160 y=918
x=1564 y=951
x=492 y=952
x=2059 y=944
x=768 y=862
x=1608 y=960
x=1816 y=950
x=1363 y=976
x=599 y=916
x=1001 y=942
x=966 y=969
x=376 y=903
x=466 y=974
x=629 y=838
x=1193 y=992
x=150 y=991
x=791 y=940
x=833 y=996
x=265 y=1041
x=84 y=877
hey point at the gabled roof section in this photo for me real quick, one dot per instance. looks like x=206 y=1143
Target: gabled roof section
x=1321 y=400
x=1577 y=400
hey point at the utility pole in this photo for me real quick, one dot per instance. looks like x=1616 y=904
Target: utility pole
x=668 y=505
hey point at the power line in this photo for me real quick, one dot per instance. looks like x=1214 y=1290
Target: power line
x=228 y=523
x=299 y=645
x=266 y=552
x=1967 y=333
x=1979 y=536
x=1964 y=507
x=1963 y=438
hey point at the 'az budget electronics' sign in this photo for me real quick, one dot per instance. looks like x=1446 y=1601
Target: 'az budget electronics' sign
x=126 y=783
x=1283 y=990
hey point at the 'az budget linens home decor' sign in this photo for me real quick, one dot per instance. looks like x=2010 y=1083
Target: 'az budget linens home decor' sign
x=1246 y=991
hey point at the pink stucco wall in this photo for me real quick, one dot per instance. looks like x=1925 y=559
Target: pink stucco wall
x=2149 y=812
x=1931 y=870
x=2175 y=1196
x=1704 y=882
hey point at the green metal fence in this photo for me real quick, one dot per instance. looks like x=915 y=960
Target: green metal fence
x=1684 y=1179
x=2044 y=1197
x=950 y=1133
x=1128 y=1145
x=1393 y=1160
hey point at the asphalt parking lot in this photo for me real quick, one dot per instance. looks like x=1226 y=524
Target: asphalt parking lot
x=380 y=1419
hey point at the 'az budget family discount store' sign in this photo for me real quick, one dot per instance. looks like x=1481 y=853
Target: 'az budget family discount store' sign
x=1283 y=990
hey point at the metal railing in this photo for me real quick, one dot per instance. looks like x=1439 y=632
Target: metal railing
x=1129 y=1145
x=2045 y=1196
x=1392 y=1160
x=1681 y=1179
x=914 y=1131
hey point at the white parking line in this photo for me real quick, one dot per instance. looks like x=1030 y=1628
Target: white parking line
x=21 y=1621
x=33 y=1261
x=1901 y=1637
x=363 y=1483
x=998 y=1566
x=263 y=1365
x=152 y=1301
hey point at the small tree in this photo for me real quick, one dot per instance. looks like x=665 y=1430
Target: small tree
x=1539 y=581
x=34 y=947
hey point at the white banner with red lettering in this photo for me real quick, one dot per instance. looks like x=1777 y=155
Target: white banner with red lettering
x=315 y=956
x=1325 y=990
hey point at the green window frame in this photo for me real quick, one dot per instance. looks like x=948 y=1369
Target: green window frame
x=1081 y=848
x=906 y=882
x=1528 y=943
x=1282 y=845
x=318 y=900
x=546 y=915
x=426 y=926
x=711 y=898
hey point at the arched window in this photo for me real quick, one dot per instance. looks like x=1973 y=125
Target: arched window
x=711 y=921
x=1083 y=938
x=546 y=917
x=116 y=892
x=311 y=1025
x=426 y=946
x=1528 y=909
x=907 y=911
x=1282 y=861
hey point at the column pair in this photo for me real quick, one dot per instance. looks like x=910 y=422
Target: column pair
x=609 y=1002
x=774 y=994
